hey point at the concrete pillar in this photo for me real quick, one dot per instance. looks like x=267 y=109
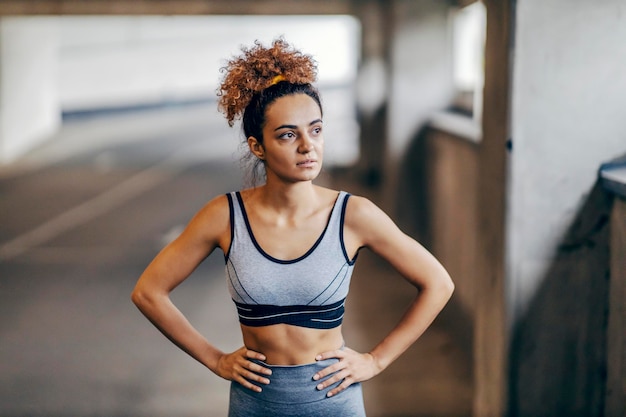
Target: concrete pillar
x=523 y=349
x=372 y=89
x=420 y=84
x=29 y=107
x=405 y=75
x=567 y=98
x=490 y=336
x=616 y=339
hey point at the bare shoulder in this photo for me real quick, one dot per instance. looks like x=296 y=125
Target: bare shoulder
x=218 y=204
x=215 y=210
x=367 y=222
x=361 y=209
x=212 y=222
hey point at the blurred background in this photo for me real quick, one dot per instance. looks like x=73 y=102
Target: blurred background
x=491 y=131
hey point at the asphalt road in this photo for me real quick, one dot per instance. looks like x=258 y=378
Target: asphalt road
x=82 y=216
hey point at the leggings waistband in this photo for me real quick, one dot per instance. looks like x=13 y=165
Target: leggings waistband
x=293 y=384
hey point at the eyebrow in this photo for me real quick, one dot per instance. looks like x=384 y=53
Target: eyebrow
x=295 y=127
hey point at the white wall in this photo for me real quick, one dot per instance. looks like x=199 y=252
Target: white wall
x=29 y=109
x=569 y=102
x=421 y=78
x=127 y=60
x=79 y=63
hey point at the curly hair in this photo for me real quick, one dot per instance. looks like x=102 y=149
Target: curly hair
x=259 y=68
x=255 y=80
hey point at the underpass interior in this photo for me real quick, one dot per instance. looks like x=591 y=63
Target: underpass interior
x=109 y=142
x=85 y=212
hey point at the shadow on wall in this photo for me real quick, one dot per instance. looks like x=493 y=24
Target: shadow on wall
x=415 y=204
x=370 y=167
x=413 y=211
x=558 y=350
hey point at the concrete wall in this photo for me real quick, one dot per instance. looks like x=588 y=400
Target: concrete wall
x=541 y=266
x=568 y=95
x=490 y=344
x=443 y=168
x=129 y=60
x=420 y=83
x=405 y=75
x=452 y=182
x=126 y=61
x=81 y=64
x=421 y=79
x=29 y=107
x=616 y=338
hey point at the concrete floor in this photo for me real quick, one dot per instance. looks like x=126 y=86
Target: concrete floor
x=81 y=218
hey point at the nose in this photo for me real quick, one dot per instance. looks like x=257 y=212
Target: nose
x=306 y=144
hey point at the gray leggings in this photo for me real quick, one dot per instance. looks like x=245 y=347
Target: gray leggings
x=292 y=392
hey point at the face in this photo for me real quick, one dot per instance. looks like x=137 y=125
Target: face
x=293 y=144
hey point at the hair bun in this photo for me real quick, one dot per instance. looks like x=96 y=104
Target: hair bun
x=258 y=68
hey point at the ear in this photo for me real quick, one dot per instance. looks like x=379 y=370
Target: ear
x=256 y=147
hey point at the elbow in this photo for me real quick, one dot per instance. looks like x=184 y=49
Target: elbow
x=449 y=287
x=140 y=297
x=147 y=297
x=445 y=288
x=440 y=288
x=137 y=297
x=448 y=284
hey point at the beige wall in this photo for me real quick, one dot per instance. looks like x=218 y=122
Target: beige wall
x=616 y=338
x=451 y=182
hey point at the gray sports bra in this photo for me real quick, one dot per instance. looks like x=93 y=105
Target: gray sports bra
x=308 y=291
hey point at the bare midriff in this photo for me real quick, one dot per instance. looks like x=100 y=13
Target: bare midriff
x=284 y=344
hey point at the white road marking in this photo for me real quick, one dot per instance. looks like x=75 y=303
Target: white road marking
x=90 y=209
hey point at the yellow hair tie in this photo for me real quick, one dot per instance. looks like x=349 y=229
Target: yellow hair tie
x=277 y=79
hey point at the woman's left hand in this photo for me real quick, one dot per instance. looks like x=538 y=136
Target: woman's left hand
x=352 y=367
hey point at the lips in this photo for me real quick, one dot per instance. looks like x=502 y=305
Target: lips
x=307 y=163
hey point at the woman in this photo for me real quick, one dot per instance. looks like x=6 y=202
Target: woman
x=290 y=248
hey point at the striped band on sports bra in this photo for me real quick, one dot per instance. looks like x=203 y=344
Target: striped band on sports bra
x=317 y=317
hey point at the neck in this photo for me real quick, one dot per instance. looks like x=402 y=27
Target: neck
x=288 y=197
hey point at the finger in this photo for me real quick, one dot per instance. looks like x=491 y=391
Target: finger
x=329 y=370
x=251 y=354
x=345 y=384
x=255 y=367
x=333 y=379
x=251 y=376
x=246 y=377
x=246 y=384
x=330 y=354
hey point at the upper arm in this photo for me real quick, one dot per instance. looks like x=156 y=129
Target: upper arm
x=368 y=226
x=207 y=230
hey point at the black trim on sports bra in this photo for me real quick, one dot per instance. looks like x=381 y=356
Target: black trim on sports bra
x=231 y=210
x=341 y=226
x=314 y=317
x=267 y=255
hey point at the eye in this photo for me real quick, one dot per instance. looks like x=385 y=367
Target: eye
x=317 y=130
x=287 y=135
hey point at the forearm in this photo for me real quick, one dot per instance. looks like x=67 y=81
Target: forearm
x=418 y=317
x=170 y=321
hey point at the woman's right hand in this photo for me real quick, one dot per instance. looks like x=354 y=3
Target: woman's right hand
x=238 y=367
